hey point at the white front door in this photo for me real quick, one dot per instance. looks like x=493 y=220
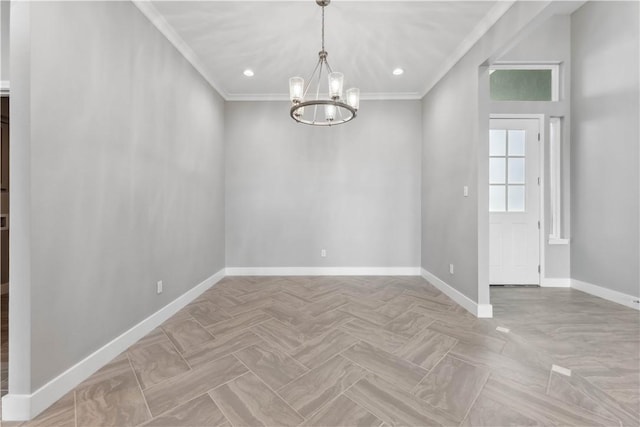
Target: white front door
x=514 y=202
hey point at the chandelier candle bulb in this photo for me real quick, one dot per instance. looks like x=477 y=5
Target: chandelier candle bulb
x=336 y=80
x=296 y=89
x=330 y=112
x=353 y=97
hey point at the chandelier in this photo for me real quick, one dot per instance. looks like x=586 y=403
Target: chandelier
x=334 y=109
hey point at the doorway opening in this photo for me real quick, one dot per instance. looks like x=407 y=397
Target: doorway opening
x=515 y=202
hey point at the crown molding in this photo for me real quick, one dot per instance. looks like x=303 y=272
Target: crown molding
x=489 y=20
x=372 y=96
x=149 y=10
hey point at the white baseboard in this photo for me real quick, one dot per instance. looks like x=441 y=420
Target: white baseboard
x=484 y=311
x=555 y=282
x=478 y=310
x=323 y=271
x=22 y=407
x=608 y=294
x=16 y=407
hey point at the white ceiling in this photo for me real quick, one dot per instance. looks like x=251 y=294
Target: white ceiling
x=366 y=40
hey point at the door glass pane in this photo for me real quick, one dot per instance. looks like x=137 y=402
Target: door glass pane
x=497 y=198
x=497 y=142
x=516 y=142
x=516 y=198
x=497 y=170
x=516 y=170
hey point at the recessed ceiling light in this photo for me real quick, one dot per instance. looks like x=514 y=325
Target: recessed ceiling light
x=398 y=71
x=248 y=72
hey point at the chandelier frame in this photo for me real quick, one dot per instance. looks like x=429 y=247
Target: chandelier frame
x=342 y=112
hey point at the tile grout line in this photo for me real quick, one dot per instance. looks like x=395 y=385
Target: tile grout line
x=333 y=310
x=274 y=391
x=199 y=323
x=359 y=405
x=179 y=354
x=262 y=334
x=309 y=371
x=245 y=328
x=286 y=354
x=546 y=390
x=358 y=341
x=259 y=307
x=144 y=398
x=220 y=406
x=572 y=387
x=394 y=354
x=377 y=415
x=217 y=306
x=367 y=342
x=343 y=391
x=231 y=380
x=555 y=404
x=269 y=387
x=475 y=398
x=356 y=363
x=416 y=334
x=232 y=353
x=469 y=362
x=307 y=341
x=206 y=393
x=200 y=395
x=191 y=369
x=429 y=371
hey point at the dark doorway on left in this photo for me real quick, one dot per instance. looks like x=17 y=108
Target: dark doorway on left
x=4 y=245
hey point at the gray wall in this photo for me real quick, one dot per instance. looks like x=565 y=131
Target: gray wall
x=127 y=177
x=604 y=153
x=292 y=189
x=450 y=220
x=549 y=42
x=455 y=148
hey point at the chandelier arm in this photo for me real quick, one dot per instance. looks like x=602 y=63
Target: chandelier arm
x=319 y=82
x=315 y=108
x=328 y=66
x=310 y=79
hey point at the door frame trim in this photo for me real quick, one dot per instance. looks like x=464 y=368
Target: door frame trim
x=542 y=120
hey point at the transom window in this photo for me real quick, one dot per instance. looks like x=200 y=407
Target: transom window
x=524 y=82
x=506 y=170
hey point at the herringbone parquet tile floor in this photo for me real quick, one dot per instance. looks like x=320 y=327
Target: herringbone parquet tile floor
x=330 y=351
